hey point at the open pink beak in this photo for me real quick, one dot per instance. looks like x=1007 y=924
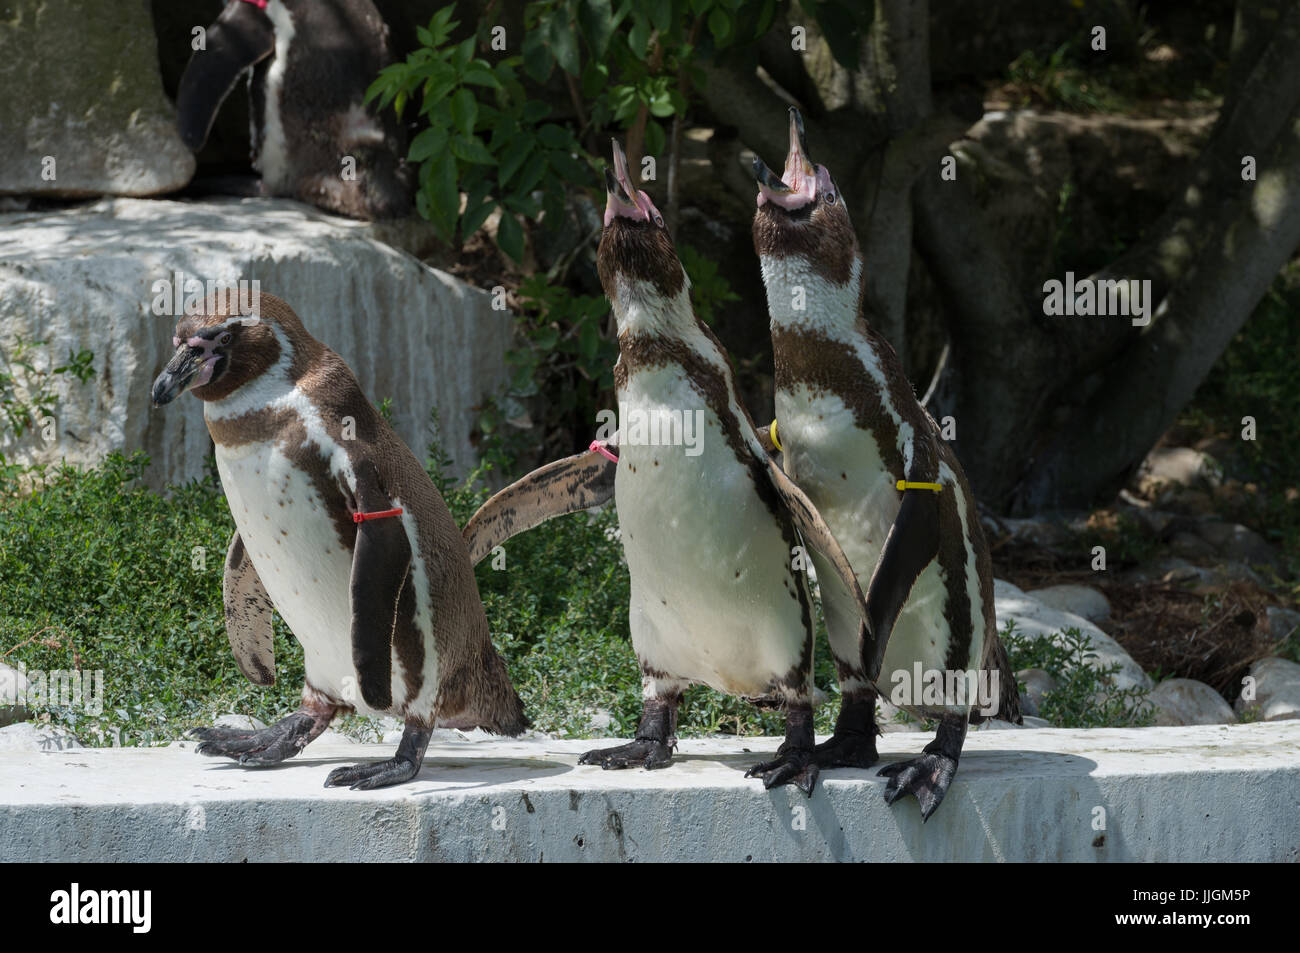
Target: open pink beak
x=622 y=197
x=798 y=185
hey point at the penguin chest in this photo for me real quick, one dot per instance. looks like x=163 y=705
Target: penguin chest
x=284 y=520
x=842 y=470
x=714 y=598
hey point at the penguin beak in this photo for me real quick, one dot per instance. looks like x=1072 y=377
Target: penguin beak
x=242 y=36
x=622 y=198
x=189 y=366
x=798 y=185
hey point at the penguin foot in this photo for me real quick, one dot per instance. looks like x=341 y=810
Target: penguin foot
x=648 y=752
x=926 y=778
x=376 y=774
x=271 y=745
x=381 y=774
x=848 y=749
x=797 y=766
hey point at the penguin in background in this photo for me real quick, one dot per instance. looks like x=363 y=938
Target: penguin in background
x=858 y=442
x=313 y=136
x=340 y=529
x=714 y=540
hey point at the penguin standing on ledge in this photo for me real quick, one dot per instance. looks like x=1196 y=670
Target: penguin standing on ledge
x=314 y=139
x=869 y=456
x=713 y=539
x=340 y=529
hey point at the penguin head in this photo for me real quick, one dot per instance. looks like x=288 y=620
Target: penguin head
x=635 y=243
x=218 y=350
x=802 y=209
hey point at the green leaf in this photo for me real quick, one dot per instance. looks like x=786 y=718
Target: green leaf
x=588 y=339
x=464 y=111
x=535 y=111
x=596 y=21
x=444 y=196
x=553 y=136
x=428 y=143
x=537 y=56
x=655 y=140
x=510 y=237
x=661 y=14
x=471 y=150
x=564 y=44
x=532 y=173
x=638 y=38
x=479 y=75
x=463 y=54
x=719 y=25
x=475 y=216
x=513 y=158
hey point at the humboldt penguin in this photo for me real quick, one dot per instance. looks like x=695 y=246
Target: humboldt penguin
x=714 y=539
x=856 y=440
x=340 y=529
x=313 y=136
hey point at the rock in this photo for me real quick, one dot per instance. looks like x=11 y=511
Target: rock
x=1081 y=600
x=1166 y=470
x=1190 y=545
x=996 y=724
x=1236 y=542
x=1276 y=688
x=34 y=736
x=1032 y=618
x=600 y=720
x=1033 y=721
x=1030 y=532
x=239 y=723
x=1038 y=683
x=1185 y=701
x=1281 y=623
x=13 y=695
x=84 y=278
x=82 y=88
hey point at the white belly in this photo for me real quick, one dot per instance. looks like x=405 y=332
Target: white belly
x=713 y=599
x=843 y=474
x=305 y=569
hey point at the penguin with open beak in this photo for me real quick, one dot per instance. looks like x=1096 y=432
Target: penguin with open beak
x=339 y=529
x=714 y=536
x=314 y=137
x=857 y=441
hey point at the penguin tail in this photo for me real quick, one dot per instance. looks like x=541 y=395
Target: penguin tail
x=1008 y=691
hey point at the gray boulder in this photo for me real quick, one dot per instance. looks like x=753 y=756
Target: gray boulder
x=1276 y=684
x=82 y=88
x=1081 y=600
x=13 y=695
x=32 y=736
x=89 y=278
x=1185 y=701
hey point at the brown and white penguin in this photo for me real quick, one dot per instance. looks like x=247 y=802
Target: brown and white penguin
x=855 y=439
x=713 y=539
x=340 y=529
x=312 y=61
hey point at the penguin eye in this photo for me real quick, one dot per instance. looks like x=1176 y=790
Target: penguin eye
x=659 y=220
x=225 y=338
x=830 y=198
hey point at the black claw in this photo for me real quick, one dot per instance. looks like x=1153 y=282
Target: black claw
x=793 y=766
x=377 y=774
x=926 y=778
x=647 y=752
x=848 y=749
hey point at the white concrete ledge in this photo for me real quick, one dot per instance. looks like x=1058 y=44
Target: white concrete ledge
x=1216 y=793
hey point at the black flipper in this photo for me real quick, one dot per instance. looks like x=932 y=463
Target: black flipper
x=913 y=542
x=574 y=483
x=381 y=567
x=242 y=36
x=248 y=615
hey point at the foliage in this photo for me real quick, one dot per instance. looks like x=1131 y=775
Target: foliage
x=485 y=136
x=1084 y=696
x=27 y=393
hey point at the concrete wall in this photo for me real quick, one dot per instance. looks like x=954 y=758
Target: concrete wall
x=1221 y=793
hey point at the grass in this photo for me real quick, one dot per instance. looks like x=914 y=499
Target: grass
x=99 y=572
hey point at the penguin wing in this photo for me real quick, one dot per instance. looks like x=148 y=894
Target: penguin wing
x=574 y=483
x=242 y=36
x=248 y=615
x=381 y=567
x=913 y=541
x=818 y=535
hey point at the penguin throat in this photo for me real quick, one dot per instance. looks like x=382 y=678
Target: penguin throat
x=260 y=4
x=800 y=296
x=639 y=308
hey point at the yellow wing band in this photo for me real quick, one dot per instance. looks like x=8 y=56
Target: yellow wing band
x=771 y=432
x=910 y=485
